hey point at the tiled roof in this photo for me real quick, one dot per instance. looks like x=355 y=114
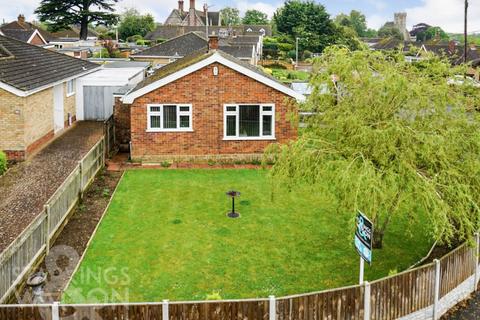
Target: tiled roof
x=19 y=34
x=172 y=31
x=181 y=46
x=29 y=67
x=192 y=59
x=238 y=51
x=15 y=25
x=189 y=43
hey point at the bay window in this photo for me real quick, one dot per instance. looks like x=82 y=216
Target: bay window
x=249 y=121
x=169 y=117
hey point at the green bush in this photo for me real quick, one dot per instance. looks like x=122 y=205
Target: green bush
x=214 y=296
x=134 y=38
x=3 y=162
x=286 y=47
x=292 y=54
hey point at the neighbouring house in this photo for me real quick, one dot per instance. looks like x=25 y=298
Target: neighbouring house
x=166 y=32
x=74 y=32
x=26 y=32
x=208 y=105
x=181 y=46
x=37 y=95
x=96 y=90
x=192 y=17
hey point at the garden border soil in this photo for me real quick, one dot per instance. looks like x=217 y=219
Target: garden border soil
x=76 y=235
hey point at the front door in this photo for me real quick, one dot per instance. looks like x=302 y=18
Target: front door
x=58 y=112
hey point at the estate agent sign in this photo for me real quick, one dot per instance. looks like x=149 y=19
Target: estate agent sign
x=363 y=237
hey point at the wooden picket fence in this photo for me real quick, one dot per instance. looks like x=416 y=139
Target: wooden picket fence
x=21 y=255
x=425 y=292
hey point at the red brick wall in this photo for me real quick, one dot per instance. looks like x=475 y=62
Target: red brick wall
x=37 y=40
x=207 y=94
x=121 y=116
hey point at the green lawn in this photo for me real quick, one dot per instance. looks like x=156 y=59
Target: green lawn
x=166 y=236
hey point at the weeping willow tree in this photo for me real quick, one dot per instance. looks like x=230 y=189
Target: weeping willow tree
x=391 y=138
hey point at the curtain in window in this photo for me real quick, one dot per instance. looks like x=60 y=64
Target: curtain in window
x=249 y=122
x=169 y=117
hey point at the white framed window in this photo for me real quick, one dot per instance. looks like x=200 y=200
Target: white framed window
x=169 y=117
x=249 y=122
x=70 y=87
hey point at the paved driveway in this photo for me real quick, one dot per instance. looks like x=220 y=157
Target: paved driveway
x=26 y=188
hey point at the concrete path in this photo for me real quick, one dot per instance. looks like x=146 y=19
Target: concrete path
x=26 y=188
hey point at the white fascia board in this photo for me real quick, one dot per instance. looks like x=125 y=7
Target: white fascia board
x=130 y=97
x=21 y=93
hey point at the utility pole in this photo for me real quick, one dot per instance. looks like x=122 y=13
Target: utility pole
x=465 y=51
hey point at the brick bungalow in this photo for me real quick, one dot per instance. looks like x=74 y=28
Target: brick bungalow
x=37 y=95
x=206 y=105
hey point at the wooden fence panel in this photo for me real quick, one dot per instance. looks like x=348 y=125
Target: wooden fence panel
x=24 y=312
x=110 y=312
x=64 y=200
x=346 y=303
x=456 y=267
x=92 y=162
x=231 y=310
x=17 y=258
x=399 y=295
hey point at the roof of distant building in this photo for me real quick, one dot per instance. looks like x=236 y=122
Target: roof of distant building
x=26 y=67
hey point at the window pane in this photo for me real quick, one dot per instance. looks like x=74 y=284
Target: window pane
x=185 y=108
x=232 y=108
x=184 y=121
x=154 y=121
x=267 y=108
x=267 y=125
x=249 y=121
x=169 y=117
x=155 y=109
x=231 y=126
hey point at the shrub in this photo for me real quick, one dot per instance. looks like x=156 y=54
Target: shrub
x=134 y=38
x=3 y=162
x=307 y=54
x=215 y=295
x=165 y=164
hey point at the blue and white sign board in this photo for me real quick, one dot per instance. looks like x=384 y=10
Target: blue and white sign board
x=363 y=237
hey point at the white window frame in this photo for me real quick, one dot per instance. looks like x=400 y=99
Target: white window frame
x=236 y=113
x=72 y=91
x=160 y=113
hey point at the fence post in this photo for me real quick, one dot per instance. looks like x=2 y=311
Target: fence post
x=80 y=166
x=272 y=311
x=475 y=258
x=366 y=300
x=104 y=149
x=436 y=292
x=165 y=314
x=55 y=311
x=47 y=242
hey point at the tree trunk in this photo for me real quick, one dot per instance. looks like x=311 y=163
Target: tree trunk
x=84 y=28
x=377 y=239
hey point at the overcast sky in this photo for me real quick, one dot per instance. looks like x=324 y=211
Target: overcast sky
x=446 y=13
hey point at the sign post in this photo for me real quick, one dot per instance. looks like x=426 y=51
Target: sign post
x=363 y=241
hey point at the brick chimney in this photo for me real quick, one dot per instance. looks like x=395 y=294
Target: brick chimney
x=180 y=6
x=192 y=21
x=21 y=19
x=212 y=42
